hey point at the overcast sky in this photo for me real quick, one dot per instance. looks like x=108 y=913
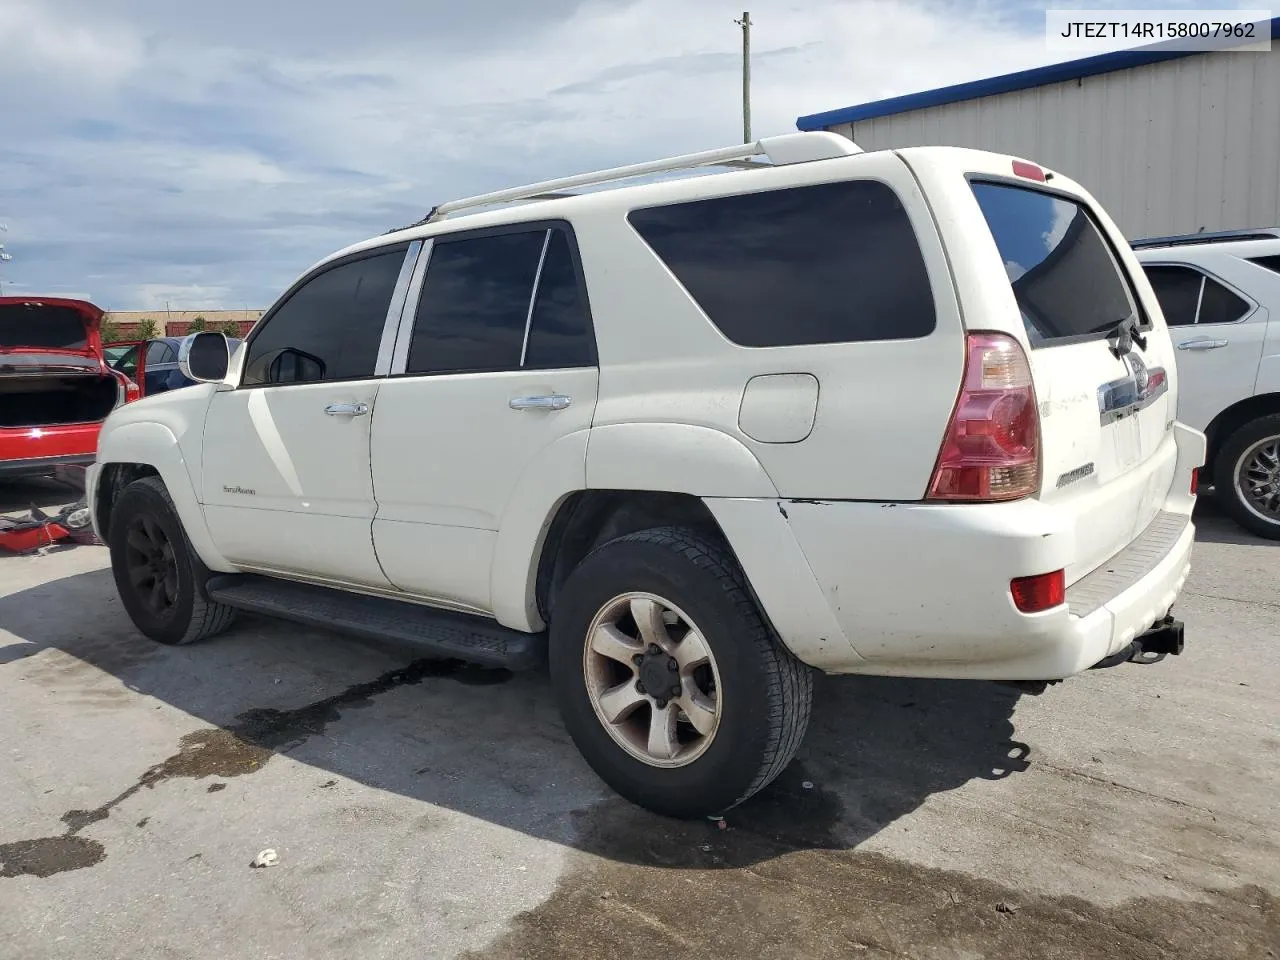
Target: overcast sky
x=205 y=154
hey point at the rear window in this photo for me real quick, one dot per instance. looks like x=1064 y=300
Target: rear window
x=1067 y=282
x=47 y=327
x=830 y=263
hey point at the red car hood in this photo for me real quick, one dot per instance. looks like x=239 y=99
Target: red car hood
x=49 y=333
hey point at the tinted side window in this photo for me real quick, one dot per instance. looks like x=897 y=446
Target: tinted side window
x=830 y=263
x=1220 y=305
x=474 y=303
x=1178 y=290
x=1271 y=263
x=330 y=328
x=560 y=333
x=160 y=352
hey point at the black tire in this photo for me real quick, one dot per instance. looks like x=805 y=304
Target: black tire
x=1226 y=480
x=767 y=692
x=183 y=613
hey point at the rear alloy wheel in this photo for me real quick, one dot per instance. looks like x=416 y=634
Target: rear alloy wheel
x=158 y=575
x=677 y=693
x=1248 y=476
x=652 y=680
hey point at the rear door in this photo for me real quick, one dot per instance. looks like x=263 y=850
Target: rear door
x=493 y=369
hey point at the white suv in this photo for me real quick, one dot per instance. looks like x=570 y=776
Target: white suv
x=1220 y=294
x=904 y=413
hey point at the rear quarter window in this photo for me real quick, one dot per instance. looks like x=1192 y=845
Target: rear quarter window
x=829 y=263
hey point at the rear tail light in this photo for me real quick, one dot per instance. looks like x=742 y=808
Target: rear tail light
x=1195 y=481
x=991 y=450
x=1041 y=592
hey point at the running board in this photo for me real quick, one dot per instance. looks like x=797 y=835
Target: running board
x=434 y=632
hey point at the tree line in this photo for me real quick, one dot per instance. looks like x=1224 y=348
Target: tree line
x=148 y=329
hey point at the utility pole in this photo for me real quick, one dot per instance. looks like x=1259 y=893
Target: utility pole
x=745 y=24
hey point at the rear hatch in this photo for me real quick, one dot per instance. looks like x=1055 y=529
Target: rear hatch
x=1101 y=361
x=49 y=331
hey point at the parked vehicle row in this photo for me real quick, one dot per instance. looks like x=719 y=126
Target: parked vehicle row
x=906 y=413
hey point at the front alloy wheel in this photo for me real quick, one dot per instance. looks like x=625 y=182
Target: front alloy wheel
x=151 y=566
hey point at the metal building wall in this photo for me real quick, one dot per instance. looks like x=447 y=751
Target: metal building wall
x=1168 y=148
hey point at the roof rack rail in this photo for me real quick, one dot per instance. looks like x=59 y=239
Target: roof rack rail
x=783 y=150
x=1219 y=236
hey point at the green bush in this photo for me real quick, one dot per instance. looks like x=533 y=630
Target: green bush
x=198 y=325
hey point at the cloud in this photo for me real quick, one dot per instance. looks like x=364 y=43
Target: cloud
x=1063 y=214
x=158 y=151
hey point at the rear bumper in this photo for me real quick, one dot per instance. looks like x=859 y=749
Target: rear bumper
x=39 y=451
x=42 y=466
x=922 y=590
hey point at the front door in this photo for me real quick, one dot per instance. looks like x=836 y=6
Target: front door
x=493 y=386
x=1219 y=336
x=286 y=455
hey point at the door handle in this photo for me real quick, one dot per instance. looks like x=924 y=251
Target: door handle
x=1201 y=344
x=347 y=409
x=554 y=401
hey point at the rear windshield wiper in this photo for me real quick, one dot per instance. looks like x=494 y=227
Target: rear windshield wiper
x=1127 y=333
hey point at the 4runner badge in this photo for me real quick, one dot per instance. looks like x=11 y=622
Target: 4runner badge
x=242 y=490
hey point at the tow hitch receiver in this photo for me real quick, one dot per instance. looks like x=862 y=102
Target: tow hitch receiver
x=1163 y=639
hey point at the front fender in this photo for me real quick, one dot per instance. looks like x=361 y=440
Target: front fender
x=155 y=445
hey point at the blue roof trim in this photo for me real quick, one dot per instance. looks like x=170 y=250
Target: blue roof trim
x=1009 y=82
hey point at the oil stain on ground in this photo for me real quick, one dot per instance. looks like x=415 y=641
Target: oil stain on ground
x=227 y=752
x=780 y=883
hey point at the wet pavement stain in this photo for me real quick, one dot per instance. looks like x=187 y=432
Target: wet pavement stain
x=49 y=855
x=780 y=882
x=242 y=748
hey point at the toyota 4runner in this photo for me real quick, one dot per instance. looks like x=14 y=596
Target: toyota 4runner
x=904 y=413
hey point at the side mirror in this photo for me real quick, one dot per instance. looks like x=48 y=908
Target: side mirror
x=204 y=357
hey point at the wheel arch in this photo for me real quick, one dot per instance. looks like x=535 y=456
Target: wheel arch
x=135 y=450
x=1236 y=416
x=642 y=474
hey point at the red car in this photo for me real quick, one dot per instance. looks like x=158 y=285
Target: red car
x=55 y=386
